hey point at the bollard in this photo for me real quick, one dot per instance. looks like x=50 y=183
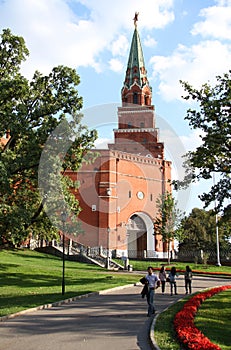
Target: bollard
x=130 y=267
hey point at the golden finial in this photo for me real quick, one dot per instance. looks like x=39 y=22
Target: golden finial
x=135 y=19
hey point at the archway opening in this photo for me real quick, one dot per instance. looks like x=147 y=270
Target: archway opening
x=140 y=238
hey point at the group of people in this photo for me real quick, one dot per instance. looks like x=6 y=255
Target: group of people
x=151 y=282
x=172 y=279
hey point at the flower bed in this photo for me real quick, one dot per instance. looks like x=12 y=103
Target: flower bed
x=187 y=332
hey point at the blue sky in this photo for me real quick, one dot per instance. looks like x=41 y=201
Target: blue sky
x=181 y=39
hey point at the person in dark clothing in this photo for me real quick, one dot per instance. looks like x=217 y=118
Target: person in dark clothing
x=144 y=291
x=172 y=278
x=188 y=280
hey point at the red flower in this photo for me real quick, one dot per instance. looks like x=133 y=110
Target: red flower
x=187 y=332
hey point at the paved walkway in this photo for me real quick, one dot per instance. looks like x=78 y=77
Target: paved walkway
x=115 y=319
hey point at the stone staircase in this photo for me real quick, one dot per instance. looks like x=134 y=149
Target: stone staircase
x=78 y=252
x=98 y=256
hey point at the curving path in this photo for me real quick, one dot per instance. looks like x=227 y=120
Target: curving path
x=114 y=319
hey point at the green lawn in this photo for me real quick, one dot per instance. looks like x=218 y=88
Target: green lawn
x=29 y=279
x=141 y=265
x=213 y=319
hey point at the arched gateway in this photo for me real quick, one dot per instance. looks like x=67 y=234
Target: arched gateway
x=140 y=236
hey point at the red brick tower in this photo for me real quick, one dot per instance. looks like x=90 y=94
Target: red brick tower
x=118 y=191
x=137 y=133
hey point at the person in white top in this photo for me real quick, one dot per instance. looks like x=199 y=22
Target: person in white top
x=153 y=283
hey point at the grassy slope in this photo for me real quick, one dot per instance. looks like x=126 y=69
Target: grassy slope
x=29 y=279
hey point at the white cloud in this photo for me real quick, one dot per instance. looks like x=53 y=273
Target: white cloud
x=120 y=46
x=217 y=21
x=152 y=14
x=116 y=65
x=197 y=64
x=193 y=140
x=102 y=143
x=55 y=34
x=202 y=61
x=150 y=41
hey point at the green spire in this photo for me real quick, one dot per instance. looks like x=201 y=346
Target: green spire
x=136 y=71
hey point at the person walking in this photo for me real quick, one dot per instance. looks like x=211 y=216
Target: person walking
x=162 y=277
x=172 y=279
x=188 y=280
x=153 y=283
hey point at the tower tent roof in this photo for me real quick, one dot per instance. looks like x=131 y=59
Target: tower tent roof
x=136 y=72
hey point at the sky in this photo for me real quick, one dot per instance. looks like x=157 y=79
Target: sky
x=187 y=40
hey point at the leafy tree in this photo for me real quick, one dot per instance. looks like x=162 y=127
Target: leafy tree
x=225 y=226
x=200 y=231
x=32 y=112
x=199 y=228
x=226 y=217
x=213 y=118
x=167 y=222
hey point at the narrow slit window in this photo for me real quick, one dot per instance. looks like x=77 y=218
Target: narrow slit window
x=135 y=98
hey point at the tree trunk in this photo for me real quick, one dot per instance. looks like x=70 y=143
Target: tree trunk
x=168 y=252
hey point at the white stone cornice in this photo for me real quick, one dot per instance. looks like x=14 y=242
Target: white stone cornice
x=137 y=110
x=136 y=130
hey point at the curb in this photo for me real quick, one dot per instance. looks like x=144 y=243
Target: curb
x=151 y=333
x=61 y=302
x=152 y=327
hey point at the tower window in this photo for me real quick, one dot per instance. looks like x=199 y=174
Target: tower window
x=142 y=124
x=129 y=125
x=135 y=98
x=129 y=194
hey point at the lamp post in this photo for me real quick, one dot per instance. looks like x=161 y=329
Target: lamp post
x=63 y=218
x=217 y=239
x=217 y=231
x=108 y=241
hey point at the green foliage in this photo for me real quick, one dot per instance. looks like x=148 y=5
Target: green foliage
x=200 y=231
x=213 y=118
x=32 y=111
x=167 y=222
x=225 y=223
